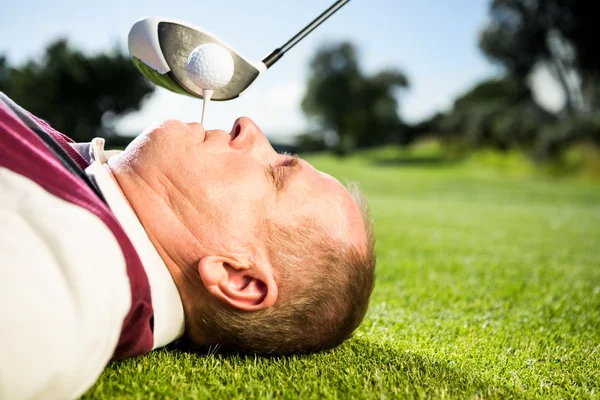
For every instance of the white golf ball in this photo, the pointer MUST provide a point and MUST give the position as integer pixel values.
(210, 66)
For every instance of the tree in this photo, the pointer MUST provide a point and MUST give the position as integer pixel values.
(361, 110)
(561, 34)
(498, 113)
(77, 94)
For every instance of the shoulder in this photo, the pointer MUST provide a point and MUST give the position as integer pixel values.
(64, 291)
(76, 237)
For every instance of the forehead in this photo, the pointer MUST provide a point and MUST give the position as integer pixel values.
(325, 201)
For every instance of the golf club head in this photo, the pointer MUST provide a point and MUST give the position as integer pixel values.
(160, 48)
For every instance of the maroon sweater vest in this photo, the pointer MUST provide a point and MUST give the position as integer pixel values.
(23, 152)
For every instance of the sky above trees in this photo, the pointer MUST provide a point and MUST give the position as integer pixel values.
(434, 43)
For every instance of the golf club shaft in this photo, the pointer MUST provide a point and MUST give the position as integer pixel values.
(279, 52)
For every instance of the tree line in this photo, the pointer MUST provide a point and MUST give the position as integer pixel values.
(78, 94)
(499, 113)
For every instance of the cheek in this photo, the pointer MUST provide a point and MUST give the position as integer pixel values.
(232, 220)
(237, 202)
(239, 177)
(233, 193)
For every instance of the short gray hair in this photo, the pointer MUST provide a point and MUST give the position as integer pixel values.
(316, 311)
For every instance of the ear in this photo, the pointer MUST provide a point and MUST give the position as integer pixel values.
(243, 286)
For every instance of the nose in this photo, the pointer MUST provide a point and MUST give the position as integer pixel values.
(246, 135)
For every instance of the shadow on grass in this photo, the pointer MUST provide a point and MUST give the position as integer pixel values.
(421, 375)
(413, 161)
(361, 366)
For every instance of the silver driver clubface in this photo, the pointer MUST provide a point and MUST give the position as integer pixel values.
(160, 48)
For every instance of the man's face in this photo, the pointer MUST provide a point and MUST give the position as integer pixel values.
(233, 182)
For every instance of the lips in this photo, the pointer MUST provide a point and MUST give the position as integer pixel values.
(197, 130)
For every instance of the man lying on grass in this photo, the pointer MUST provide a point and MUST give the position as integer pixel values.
(186, 233)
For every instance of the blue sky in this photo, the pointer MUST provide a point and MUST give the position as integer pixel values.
(434, 42)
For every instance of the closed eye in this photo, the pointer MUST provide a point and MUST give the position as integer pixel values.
(278, 172)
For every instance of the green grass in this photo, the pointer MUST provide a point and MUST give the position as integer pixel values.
(488, 285)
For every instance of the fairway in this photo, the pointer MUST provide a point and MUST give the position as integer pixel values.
(488, 285)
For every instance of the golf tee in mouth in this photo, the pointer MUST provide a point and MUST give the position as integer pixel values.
(210, 67)
(206, 95)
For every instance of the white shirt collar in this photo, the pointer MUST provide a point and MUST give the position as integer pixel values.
(169, 322)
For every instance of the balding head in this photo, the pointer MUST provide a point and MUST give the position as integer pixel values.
(325, 283)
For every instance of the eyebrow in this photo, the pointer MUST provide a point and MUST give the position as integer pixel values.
(294, 157)
(294, 161)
